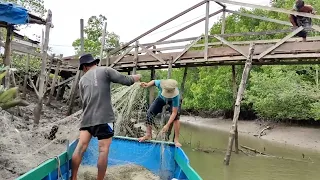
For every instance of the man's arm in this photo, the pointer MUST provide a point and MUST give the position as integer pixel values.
(117, 77)
(151, 83)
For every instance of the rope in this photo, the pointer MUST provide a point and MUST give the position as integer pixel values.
(59, 170)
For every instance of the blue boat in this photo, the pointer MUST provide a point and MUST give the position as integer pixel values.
(123, 150)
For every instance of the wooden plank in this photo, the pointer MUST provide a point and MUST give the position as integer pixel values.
(268, 8)
(287, 47)
(242, 87)
(151, 53)
(231, 45)
(121, 56)
(187, 48)
(259, 17)
(158, 26)
(206, 31)
(280, 42)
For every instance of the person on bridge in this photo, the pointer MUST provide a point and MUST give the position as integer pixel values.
(168, 93)
(298, 21)
(94, 87)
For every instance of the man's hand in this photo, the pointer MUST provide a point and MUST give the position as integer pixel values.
(165, 128)
(136, 77)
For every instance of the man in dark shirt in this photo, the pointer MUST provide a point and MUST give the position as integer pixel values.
(298, 21)
(95, 94)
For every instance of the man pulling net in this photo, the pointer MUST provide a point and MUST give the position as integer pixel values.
(168, 91)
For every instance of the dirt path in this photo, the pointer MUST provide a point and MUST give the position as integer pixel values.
(303, 137)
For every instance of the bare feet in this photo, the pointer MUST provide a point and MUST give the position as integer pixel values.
(146, 137)
(176, 142)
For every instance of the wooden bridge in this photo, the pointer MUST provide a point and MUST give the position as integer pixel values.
(133, 55)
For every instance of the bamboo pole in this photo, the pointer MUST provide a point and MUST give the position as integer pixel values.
(38, 108)
(25, 82)
(7, 55)
(76, 80)
(234, 87)
(242, 87)
(103, 42)
(206, 39)
(152, 77)
(48, 73)
(54, 80)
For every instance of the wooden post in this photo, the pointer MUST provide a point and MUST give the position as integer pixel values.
(234, 87)
(48, 73)
(25, 82)
(7, 55)
(223, 23)
(136, 57)
(242, 87)
(206, 39)
(77, 78)
(152, 77)
(56, 73)
(38, 108)
(103, 42)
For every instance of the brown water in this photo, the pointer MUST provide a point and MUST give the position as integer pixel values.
(242, 167)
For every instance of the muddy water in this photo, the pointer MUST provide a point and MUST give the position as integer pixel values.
(242, 167)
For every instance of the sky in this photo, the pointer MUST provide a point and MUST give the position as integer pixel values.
(127, 18)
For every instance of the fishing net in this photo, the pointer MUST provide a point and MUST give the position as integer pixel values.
(23, 146)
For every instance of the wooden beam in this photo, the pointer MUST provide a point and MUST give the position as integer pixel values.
(280, 42)
(158, 26)
(187, 27)
(121, 56)
(151, 53)
(38, 107)
(242, 87)
(206, 31)
(231, 45)
(268, 8)
(261, 18)
(187, 48)
(78, 75)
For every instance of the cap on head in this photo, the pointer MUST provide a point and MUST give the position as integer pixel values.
(169, 88)
(87, 59)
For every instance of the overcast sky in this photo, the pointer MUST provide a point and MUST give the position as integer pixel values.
(127, 18)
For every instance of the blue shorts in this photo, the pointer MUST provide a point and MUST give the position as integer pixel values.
(156, 108)
(101, 131)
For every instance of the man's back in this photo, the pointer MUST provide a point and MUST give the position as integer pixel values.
(95, 93)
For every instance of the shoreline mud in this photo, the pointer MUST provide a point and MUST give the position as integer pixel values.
(296, 136)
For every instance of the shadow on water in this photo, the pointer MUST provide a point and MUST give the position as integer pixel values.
(242, 167)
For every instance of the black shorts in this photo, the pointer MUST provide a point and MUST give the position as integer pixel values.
(156, 108)
(302, 21)
(101, 131)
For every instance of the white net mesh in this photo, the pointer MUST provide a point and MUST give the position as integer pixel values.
(23, 147)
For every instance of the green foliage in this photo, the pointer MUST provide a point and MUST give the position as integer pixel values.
(7, 96)
(93, 37)
(20, 61)
(278, 93)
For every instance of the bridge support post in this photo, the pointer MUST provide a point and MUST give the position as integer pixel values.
(242, 86)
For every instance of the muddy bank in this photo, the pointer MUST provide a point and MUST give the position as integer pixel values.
(23, 146)
(304, 137)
